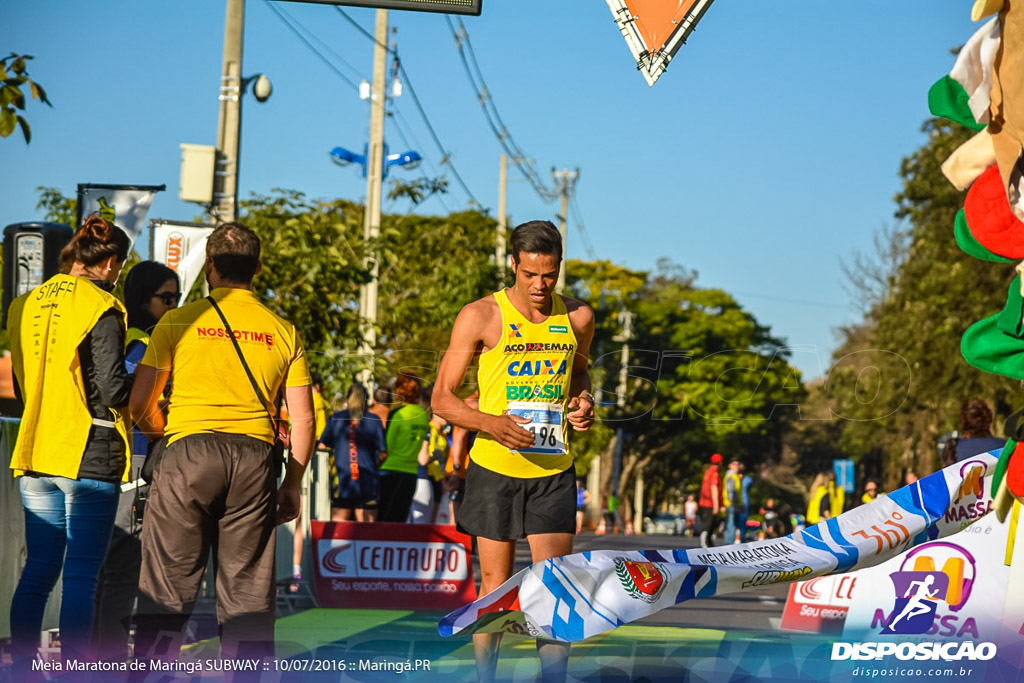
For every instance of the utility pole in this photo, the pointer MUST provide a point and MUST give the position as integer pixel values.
(225, 181)
(374, 181)
(566, 181)
(499, 251)
(626, 320)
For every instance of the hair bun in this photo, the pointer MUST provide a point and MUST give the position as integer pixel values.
(96, 228)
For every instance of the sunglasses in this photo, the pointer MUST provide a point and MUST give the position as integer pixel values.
(169, 298)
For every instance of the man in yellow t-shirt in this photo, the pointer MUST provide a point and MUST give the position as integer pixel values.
(215, 485)
(533, 346)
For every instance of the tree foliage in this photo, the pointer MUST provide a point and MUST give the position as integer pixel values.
(899, 377)
(14, 79)
(702, 375)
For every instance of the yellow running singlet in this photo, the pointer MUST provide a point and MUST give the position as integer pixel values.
(528, 373)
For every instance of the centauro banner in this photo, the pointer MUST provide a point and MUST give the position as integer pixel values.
(182, 246)
(578, 596)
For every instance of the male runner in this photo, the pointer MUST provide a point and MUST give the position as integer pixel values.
(533, 346)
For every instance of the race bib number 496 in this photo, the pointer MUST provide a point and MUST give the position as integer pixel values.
(547, 423)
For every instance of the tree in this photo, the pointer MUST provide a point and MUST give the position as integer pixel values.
(702, 375)
(312, 254)
(13, 77)
(900, 378)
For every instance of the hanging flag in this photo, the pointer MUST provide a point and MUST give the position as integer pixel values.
(655, 30)
(578, 596)
(125, 206)
(181, 246)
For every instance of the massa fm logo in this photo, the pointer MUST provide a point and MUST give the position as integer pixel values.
(930, 575)
(641, 580)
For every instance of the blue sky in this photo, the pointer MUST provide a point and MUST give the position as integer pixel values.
(766, 155)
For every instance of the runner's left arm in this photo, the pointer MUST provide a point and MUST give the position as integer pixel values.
(580, 410)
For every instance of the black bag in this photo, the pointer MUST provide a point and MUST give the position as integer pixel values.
(154, 453)
(277, 458)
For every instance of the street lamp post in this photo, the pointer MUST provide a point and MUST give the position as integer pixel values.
(229, 123)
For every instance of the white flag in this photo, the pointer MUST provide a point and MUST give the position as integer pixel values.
(126, 206)
(181, 246)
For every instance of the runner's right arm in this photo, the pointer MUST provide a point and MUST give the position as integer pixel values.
(467, 336)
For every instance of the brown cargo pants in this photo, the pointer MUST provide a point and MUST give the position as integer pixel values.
(210, 492)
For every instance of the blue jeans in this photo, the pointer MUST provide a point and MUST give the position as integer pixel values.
(730, 525)
(61, 515)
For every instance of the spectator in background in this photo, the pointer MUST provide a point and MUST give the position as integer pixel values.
(731, 499)
(356, 439)
(407, 427)
(321, 406)
(710, 499)
(582, 498)
(772, 526)
(871, 491)
(975, 433)
(150, 290)
(744, 508)
(690, 508)
(458, 459)
(382, 404)
(321, 411)
(431, 462)
(827, 499)
(72, 446)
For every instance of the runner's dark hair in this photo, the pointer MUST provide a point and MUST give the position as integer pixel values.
(536, 237)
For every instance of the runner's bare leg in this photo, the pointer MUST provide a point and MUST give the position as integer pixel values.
(554, 654)
(496, 561)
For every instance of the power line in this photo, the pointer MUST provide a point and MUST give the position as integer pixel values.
(291, 23)
(493, 116)
(423, 174)
(584, 237)
(446, 155)
(288, 22)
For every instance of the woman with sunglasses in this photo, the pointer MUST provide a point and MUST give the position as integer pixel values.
(150, 290)
(67, 352)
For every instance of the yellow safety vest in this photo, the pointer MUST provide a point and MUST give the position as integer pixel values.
(735, 478)
(134, 334)
(531, 363)
(46, 326)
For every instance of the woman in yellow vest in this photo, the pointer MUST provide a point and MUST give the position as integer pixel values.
(827, 499)
(150, 290)
(67, 349)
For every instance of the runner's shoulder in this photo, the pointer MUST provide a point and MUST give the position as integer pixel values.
(480, 312)
(579, 312)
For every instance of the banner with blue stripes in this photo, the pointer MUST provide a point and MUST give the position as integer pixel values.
(577, 596)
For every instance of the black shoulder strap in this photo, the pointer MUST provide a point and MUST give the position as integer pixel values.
(245, 366)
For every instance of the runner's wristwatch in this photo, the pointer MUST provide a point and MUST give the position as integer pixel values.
(586, 395)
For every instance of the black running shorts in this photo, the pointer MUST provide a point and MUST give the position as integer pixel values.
(504, 508)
